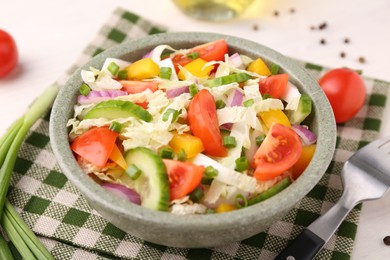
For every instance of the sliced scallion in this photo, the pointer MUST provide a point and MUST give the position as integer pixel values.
(84, 89)
(229, 141)
(260, 139)
(196, 195)
(167, 153)
(241, 201)
(116, 127)
(242, 164)
(274, 69)
(113, 68)
(249, 102)
(220, 104)
(193, 90)
(182, 155)
(122, 74)
(165, 72)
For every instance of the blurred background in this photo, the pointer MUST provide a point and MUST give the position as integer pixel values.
(50, 36)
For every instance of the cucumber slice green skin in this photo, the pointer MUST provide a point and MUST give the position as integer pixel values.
(236, 77)
(113, 109)
(153, 184)
(270, 192)
(303, 110)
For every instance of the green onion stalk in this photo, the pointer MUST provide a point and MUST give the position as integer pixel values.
(25, 241)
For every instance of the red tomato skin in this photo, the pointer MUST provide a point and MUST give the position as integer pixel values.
(346, 92)
(8, 53)
(279, 151)
(95, 145)
(215, 50)
(203, 121)
(274, 85)
(133, 86)
(183, 177)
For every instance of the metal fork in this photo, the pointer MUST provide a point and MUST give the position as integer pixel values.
(365, 176)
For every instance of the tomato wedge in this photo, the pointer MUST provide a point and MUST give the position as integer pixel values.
(274, 85)
(95, 145)
(203, 121)
(215, 50)
(183, 177)
(279, 151)
(133, 86)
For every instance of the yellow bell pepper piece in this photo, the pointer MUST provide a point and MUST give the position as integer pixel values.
(224, 207)
(195, 67)
(274, 116)
(304, 160)
(192, 145)
(117, 157)
(143, 69)
(258, 66)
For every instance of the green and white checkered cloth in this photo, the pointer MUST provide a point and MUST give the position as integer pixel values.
(71, 229)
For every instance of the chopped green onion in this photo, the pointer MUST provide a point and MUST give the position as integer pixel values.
(182, 155)
(165, 72)
(193, 55)
(84, 89)
(133, 172)
(167, 153)
(242, 164)
(193, 89)
(249, 102)
(168, 112)
(113, 68)
(196, 195)
(265, 96)
(241, 201)
(209, 174)
(116, 127)
(236, 77)
(259, 139)
(122, 74)
(229, 141)
(274, 69)
(220, 104)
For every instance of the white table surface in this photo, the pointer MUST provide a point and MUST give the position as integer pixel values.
(51, 34)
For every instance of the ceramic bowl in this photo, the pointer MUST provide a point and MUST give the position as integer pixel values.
(194, 230)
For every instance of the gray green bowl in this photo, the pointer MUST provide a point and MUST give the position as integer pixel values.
(194, 230)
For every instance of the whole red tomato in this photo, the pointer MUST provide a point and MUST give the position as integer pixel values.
(346, 92)
(8, 53)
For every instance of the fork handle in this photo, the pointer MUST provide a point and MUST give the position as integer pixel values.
(304, 247)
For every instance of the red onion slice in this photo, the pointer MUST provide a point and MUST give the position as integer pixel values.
(171, 93)
(234, 99)
(307, 136)
(99, 95)
(235, 60)
(123, 192)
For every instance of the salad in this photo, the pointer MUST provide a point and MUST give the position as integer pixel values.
(191, 131)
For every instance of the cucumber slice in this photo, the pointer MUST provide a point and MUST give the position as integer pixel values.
(153, 183)
(113, 109)
(278, 187)
(303, 110)
(236, 77)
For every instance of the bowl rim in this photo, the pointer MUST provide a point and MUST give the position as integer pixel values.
(96, 194)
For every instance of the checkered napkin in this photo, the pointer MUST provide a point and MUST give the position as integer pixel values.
(71, 229)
